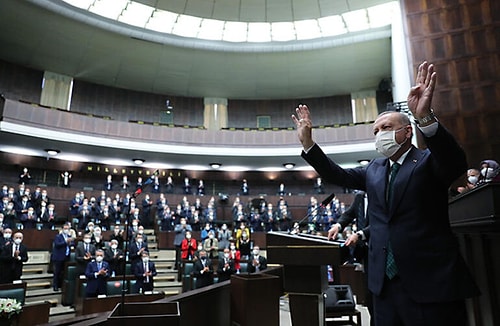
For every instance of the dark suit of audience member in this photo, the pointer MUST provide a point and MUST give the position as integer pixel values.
(136, 248)
(144, 272)
(115, 258)
(84, 252)
(257, 262)
(225, 267)
(97, 273)
(13, 256)
(61, 250)
(203, 270)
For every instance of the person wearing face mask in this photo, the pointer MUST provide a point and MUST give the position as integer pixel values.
(203, 270)
(12, 258)
(472, 181)
(235, 255)
(117, 235)
(115, 258)
(61, 249)
(97, 239)
(144, 272)
(415, 270)
(188, 247)
(489, 171)
(180, 234)
(84, 253)
(225, 266)
(97, 274)
(223, 235)
(211, 245)
(258, 263)
(136, 248)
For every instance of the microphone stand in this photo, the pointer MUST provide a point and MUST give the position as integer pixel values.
(125, 252)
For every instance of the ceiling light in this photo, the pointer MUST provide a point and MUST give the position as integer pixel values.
(289, 165)
(53, 152)
(215, 165)
(363, 162)
(138, 161)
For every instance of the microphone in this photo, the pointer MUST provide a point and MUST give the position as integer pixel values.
(323, 204)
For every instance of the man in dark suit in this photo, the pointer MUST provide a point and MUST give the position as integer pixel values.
(13, 256)
(61, 250)
(258, 262)
(97, 273)
(144, 272)
(203, 270)
(115, 257)
(415, 269)
(84, 252)
(225, 267)
(136, 248)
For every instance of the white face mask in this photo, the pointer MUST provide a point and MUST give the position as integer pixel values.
(226, 255)
(86, 240)
(98, 259)
(7, 235)
(487, 173)
(114, 246)
(255, 252)
(145, 259)
(472, 179)
(17, 241)
(385, 142)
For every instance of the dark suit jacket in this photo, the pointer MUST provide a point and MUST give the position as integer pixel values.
(115, 261)
(141, 279)
(59, 248)
(262, 262)
(12, 268)
(222, 274)
(206, 278)
(416, 224)
(96, 285)
(81, 262)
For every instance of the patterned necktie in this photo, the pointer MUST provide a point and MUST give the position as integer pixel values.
(391, 269)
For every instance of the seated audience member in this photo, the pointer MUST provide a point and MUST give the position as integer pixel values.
(136, 248)
(203, 270)
(97, 273)
(235, 255)
(489, 171)
(84, 253)
(473, 176)
(211, 246)
(188, 247)
(12, 257)
(225, 267)
(115, 258)
(144, 272)
(223, 236)
(258, 262)
(61, 249)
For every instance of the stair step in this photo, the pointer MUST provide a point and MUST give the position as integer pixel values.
(167, 284)
(53, 302)
(165, 277)
(31, 285)
(61, 310)
(33, 270)
(37, 277)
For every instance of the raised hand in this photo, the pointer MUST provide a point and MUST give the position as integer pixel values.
(304, 126)
(420, 97)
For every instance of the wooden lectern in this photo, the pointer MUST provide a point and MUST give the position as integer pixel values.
(475, 219)
(304, 259)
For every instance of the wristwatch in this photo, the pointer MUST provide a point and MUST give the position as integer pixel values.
(425, 119)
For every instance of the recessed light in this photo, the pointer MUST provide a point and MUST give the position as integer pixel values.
(53, 152)
(138, 161)
(289, 165)
(215, 165)
(363, 162)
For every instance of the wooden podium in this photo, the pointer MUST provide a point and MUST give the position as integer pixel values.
(304, 259)
(475, 219)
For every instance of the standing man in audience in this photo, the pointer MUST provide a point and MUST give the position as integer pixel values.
(115, 258)
(415, 270)
(226, 266)
(61, 250)
(144, 271)
(84, 252)
(203, 270)
(97, 273)
(258, 263)
(13, 256)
